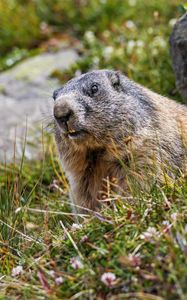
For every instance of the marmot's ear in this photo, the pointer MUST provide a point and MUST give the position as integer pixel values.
(114, 77)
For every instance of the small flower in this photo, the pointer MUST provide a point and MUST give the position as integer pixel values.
(107, 52)
(59, 280)
(78, 73)
(52, 273)
(76, 226)
(159, 42)
(108, 278)
(96, 61)
(17, 271)
(84, 239)
(140, 43)
(76, 263)
(134, 260)
(130, 46)
(174, 216)
(90, 37)
(147, 235)
(130, 24)
(167, 225)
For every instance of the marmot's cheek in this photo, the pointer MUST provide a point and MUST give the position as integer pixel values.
(81, 118)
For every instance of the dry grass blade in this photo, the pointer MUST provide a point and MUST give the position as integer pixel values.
(28, 238)
(72, 241)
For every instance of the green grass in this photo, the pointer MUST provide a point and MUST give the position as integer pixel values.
(133, 37)
(36, 219)
(36, 233)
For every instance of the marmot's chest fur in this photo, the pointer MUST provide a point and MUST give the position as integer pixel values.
(112, 132)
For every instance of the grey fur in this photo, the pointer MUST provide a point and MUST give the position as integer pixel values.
(123, 121)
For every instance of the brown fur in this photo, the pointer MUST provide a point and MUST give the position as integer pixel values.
(147, 153)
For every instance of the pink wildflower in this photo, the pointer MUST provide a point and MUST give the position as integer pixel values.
(108, 278)
(76, 263)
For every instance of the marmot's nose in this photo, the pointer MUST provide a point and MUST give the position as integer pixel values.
(62, 114)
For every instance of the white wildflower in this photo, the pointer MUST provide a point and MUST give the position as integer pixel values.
(140, 43)
(52, 273)
(147, 235)
(174, 216)
(130, 46)
(76, 226)
(17, 271)
(78, 73)
(89, 37)
(96, 61)
(107, 52)
(59, 280)
(108, 278)
(76, 263)
(9, 61)
(166, 223)
(130, 24)
(159, 42)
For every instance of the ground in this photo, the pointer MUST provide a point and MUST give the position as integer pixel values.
(136, 247)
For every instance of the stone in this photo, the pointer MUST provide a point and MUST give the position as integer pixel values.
(178, 43)
(26, 101)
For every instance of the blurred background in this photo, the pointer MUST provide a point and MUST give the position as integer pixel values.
(44, 43)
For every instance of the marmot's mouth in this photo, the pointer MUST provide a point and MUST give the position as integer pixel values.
(76, 134)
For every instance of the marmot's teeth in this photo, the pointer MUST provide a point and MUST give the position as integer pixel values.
(71, 131)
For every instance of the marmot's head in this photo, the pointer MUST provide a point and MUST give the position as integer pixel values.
(97, 107)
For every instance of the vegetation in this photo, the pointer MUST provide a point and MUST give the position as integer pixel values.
(136, 247)
(131, 36)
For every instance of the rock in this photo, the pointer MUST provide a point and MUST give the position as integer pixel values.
(178, 43)
(26, 100)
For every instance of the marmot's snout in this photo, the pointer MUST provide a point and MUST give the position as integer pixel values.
(64, 114)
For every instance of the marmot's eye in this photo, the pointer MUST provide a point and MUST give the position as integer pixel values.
(94, 89)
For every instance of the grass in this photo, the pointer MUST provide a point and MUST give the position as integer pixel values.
(141, 240)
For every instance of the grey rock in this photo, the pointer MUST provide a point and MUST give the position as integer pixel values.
(178, 43)
(26, 101)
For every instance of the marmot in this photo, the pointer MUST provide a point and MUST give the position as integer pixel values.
(108, 127)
